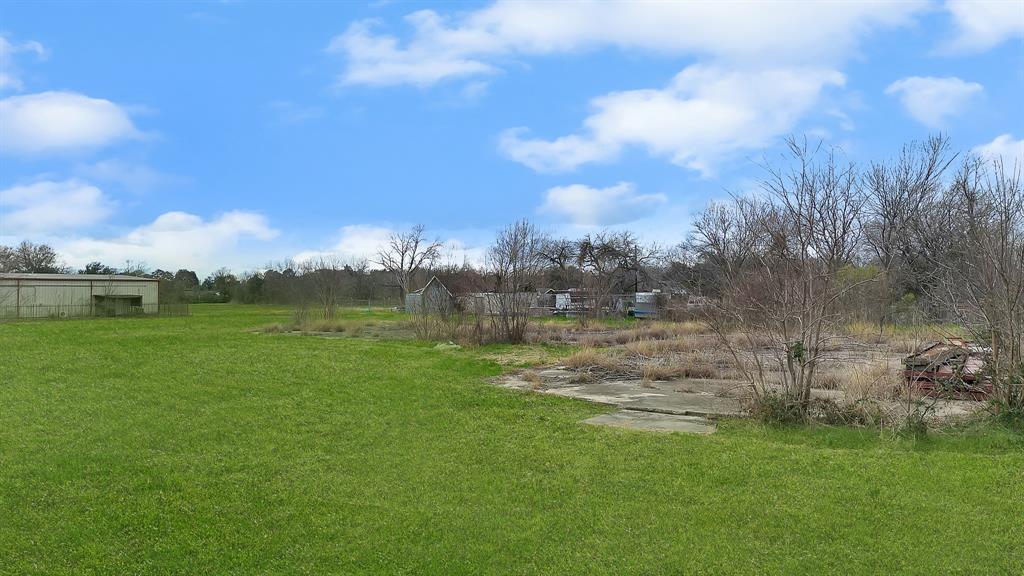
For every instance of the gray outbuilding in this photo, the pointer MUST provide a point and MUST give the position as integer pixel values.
(434, 298)
(70, 295)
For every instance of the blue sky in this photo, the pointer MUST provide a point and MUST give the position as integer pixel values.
(205, 134)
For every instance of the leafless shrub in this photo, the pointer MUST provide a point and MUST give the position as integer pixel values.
(443, 319)
(778, 260)
(324, 274)
(981, 273)
(517, 264)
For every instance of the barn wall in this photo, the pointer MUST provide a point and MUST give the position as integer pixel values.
(62, 298)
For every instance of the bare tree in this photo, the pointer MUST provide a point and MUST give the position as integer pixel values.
(325, 276)
(981, 272)
(613, 262)
(780, 259)
(898, 193)
(406, 254)
(517, 263)
(560, 256)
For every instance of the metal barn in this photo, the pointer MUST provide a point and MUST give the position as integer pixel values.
(70, 295)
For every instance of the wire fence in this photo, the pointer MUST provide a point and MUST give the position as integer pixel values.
(98, 310)
(367, 305)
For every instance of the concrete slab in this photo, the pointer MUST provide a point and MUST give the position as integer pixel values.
(707, 398)
(653, 422)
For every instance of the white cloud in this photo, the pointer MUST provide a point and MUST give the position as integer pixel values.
(458, 252)
(10, 75)
(746, 33)
(48, 206)
(362, 242)
(131, 176)
(932, 101)
(704, 115)
(379, 61)
(61, 121)
(587, 206)
(1003, 147)
(355, 242)
(558, 155)
(982, 25)
(176, 240)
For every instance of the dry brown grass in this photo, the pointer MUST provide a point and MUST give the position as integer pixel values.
(651, 348)
(348, 327)
(831, 378)
(875, 380)
(689, 356)
(590, 359)
(651, 331)
(687, 366)
(746, 341)
(902, 339)
(555, 333)
(534, 379)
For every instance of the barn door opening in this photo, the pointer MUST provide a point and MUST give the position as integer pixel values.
(117, 305)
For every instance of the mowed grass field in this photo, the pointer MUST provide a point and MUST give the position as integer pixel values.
(195, 446)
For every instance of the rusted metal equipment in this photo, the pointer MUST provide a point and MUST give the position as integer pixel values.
(953, 368)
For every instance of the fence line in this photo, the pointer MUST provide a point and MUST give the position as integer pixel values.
(350, 304)
(65, 311)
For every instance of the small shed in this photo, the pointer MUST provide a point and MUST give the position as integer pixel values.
(433, 298)
(71, 295)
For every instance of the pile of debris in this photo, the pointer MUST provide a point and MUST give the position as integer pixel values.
(953, 368)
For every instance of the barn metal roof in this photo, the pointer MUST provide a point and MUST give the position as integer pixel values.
(73, 277)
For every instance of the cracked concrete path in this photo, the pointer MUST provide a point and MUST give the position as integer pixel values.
(683, 405)
(653, 422)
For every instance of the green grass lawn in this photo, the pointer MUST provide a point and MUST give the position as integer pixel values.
(196, 446)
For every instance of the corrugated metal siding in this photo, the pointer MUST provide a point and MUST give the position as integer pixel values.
(28, 298)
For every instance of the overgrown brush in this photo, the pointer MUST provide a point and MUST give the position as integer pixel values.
(872, 381)
(777, 408)
(905, 339)
(678, 367)
(589, 359)
(648, 331)
(650, 348)
(349, 327)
